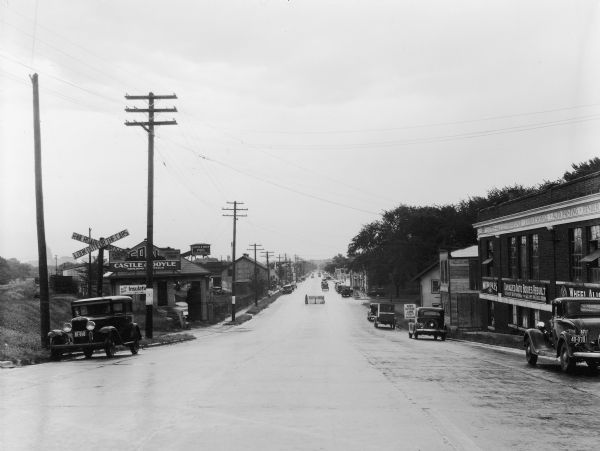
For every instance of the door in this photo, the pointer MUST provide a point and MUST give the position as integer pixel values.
(163, 296)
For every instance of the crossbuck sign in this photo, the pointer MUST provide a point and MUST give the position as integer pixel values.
(97, 244)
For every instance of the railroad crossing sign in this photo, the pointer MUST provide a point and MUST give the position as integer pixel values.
(97, 244)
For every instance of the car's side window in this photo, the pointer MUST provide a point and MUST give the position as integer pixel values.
(118, 307)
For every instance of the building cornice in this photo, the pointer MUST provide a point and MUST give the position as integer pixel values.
(580, 209)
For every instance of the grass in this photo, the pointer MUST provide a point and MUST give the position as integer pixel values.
(20, 339)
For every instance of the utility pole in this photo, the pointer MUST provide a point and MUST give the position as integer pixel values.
(279, 274)
(41, 229)
(255, 273)
(100, 270)
(235, 216)
(89, 281)
(149, 127)
(266, 254)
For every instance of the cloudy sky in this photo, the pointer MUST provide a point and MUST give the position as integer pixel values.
(318, 115)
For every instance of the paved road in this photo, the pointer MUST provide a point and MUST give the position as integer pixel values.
(301, 377)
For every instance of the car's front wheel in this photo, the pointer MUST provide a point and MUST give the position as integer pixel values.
(135, 346)
(529, 355)
(567, 364)
(110, 348)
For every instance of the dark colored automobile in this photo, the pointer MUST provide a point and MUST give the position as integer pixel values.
(98, 323)
(385, 313)
(324, 286)
(428, 321)
(287, 289)
(346, 292)
(572, 334)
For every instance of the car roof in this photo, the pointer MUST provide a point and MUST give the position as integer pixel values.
(587, 299)
(430, 309)
(101, 299)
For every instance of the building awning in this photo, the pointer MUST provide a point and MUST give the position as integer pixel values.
(487, 261)
(591, 257)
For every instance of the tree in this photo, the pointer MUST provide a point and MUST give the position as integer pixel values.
(582, 169)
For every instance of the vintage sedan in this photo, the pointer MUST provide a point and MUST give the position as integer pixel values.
(572, 335)
(385, 313)
(428, 321)
(98, 323)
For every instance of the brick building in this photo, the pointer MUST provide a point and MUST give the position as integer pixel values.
(537, 248)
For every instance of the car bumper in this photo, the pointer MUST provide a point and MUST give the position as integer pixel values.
(430, 331)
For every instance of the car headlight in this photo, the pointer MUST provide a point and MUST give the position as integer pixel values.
(90, 325)
(67, 327)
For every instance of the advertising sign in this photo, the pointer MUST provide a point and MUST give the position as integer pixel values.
(201, 249)
(149, 296)
(525, 290)
(158, 265)
(410, 310)
(489, 287)
(132, 289)
(575, 291)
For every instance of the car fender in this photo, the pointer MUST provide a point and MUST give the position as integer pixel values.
(136, 332)
(58, 336)
(112, 332)
(537, 340)
(564, 339)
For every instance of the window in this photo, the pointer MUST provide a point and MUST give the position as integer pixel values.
(535, 257)
(514, 258)
(435, 286)
(489, 259)
(576, 253)
(523, 260)
(593, 266)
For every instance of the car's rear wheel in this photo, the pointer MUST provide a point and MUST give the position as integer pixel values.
(135, 346)
(567, 364)
(88, 353)
(529, 355)
(110, 348)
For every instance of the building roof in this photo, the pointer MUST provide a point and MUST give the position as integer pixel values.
(431, 267)
(471, 251)
(247, 257)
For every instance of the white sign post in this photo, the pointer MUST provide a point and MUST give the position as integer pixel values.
(410, 311)
(149, 296)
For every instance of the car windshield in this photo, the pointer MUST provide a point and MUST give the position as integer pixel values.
(91, 309)
(582, 308)
(386, 308)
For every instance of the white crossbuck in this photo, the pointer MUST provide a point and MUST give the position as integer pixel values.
(314, 299)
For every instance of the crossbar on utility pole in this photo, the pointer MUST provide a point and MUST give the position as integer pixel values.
(149, 127)
(255, 273)
(235, 217)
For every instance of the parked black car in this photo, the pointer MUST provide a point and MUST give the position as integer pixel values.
(346, 292)
(572, 334)
(385, 313)
(98, 323)
(428, 321)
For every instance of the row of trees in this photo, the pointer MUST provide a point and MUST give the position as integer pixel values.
(406, 239)
(12, 269)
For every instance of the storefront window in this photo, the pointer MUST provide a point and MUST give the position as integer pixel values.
(489, 259)
(593, 267)
(576, 253)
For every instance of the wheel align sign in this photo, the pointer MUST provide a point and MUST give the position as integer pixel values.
(97, 244)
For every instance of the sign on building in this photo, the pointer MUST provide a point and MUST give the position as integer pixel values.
(132, 289)
(202, 249)
(410, 311)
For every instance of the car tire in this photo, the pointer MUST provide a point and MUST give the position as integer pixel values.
(88, 353)
(110, 348)
(567, 364)
(529, 355)
(444, 337)
(435, 337)
(135, 346)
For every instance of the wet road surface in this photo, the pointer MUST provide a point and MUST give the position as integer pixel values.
(301, 377)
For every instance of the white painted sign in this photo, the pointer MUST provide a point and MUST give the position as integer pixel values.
(410, 310)
(132, 289)
(149, 296)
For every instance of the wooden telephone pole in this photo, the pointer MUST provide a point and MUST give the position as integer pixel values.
(235, 216)
(255, 273)
(267, 254)
(41, 230)
(149, 127)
